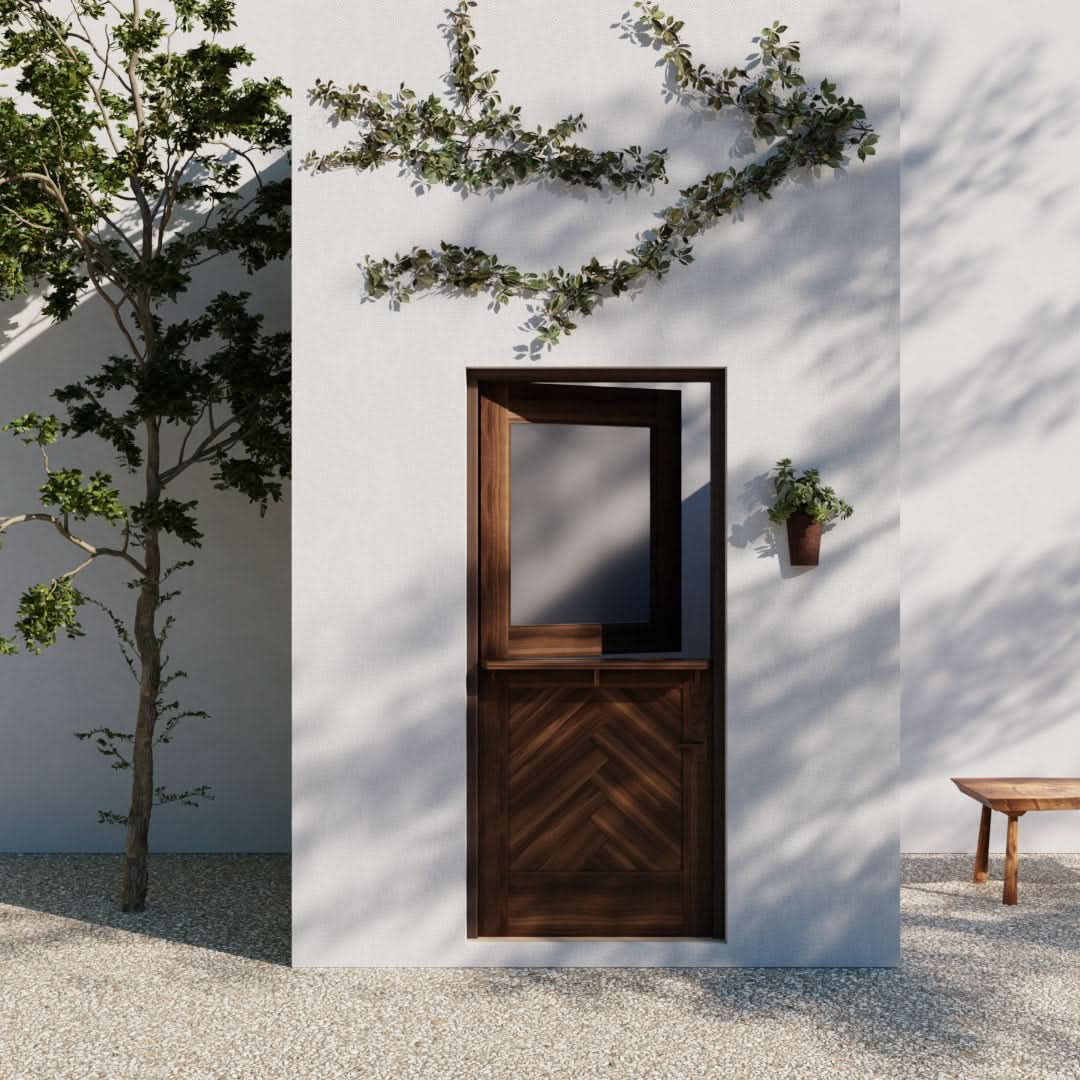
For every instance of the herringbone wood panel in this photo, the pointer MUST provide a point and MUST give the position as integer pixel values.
(595, 802)
(595, 780)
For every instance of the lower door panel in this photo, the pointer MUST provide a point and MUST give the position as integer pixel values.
(594, 799)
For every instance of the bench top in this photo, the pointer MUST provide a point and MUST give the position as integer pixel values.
(1019, 794)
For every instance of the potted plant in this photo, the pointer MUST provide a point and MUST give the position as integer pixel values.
(806, 504)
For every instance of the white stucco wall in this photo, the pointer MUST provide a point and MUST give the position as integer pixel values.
(798, 300)
(991, 412)
(232, 633)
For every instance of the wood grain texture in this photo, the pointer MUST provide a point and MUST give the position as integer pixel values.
(610, 896)
(604, 787)
(982, 848)
(595, 905)
(1014, 796)
(665, 572)
(1012, 854)
(494, 522)
(530, 374)
(645, 671)
(493, 828)
(622, 406)
(506, 403)
(1020, 794)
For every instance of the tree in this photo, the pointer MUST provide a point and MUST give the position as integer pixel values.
(132, 156)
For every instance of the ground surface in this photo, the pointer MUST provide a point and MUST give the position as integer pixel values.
(199, 988)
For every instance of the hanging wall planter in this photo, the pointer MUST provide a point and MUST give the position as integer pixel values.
(806, 505)
(804, 539)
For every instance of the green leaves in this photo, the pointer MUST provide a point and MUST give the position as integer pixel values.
(34, 428)
(473, 143)
(476, 144)
(44, 612)
(170, 516)
(866, 146)
(181, 134)
(70, 494)
(804, 493)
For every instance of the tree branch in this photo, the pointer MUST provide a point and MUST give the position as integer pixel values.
(246, 155)
(206, 449)
(59, 524)
(57, 194)
(50, 23)
(133, 76)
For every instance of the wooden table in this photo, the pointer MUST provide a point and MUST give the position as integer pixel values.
(1014, 796)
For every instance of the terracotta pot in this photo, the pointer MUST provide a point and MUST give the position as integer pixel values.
(804, 539)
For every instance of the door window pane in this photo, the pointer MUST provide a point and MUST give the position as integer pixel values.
(579, 523)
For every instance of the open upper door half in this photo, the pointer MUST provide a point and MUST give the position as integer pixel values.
(565, 470)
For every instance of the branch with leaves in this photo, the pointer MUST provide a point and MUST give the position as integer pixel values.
(473, 143)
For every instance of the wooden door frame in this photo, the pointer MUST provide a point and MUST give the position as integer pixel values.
(716, 379)
(506, 404)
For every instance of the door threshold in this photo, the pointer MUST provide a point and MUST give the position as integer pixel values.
(538, 939)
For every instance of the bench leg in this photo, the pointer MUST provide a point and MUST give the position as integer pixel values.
(1011, 857)
(982, 849)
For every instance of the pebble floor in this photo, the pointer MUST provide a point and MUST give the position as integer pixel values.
(199, 987)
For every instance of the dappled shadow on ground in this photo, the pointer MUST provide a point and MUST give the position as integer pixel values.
(237, 904)
(978, 993)
(983, 991)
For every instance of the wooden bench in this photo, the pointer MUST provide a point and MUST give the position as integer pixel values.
(1014, 796)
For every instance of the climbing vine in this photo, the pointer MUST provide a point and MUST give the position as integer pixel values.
(470, 141)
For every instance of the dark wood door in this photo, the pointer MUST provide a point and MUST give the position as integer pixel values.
(592, 772)
(595, 805)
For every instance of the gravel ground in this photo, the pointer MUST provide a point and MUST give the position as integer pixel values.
(199, 988)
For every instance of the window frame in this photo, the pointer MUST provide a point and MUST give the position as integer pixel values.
(502, 404)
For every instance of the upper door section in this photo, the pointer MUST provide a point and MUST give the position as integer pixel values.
(580, 511)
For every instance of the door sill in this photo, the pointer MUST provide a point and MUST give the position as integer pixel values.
(563, 940)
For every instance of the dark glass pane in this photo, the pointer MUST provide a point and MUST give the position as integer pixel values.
(579, 524)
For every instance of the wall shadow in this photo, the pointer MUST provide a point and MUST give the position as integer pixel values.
(991, 395)
(798, 299)
(232, 631)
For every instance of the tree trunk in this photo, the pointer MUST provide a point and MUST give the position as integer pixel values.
(136, 844)
(133, 894)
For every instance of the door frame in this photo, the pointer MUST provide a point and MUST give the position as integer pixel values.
(506, 404)
(717, 382)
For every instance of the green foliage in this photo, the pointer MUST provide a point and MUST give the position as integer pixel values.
(43, 613)
(162, 797)
(804, 493)
(34, 428)
(115, 745)
(474, 143)
(70, 494)
(91, 146)
(132, 153)
(170, 516)
(127, 163)
(140, 129)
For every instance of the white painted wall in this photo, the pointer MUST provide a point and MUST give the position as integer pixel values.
(233, 619)
(991, 412)
(798, 300)
(990, 405)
